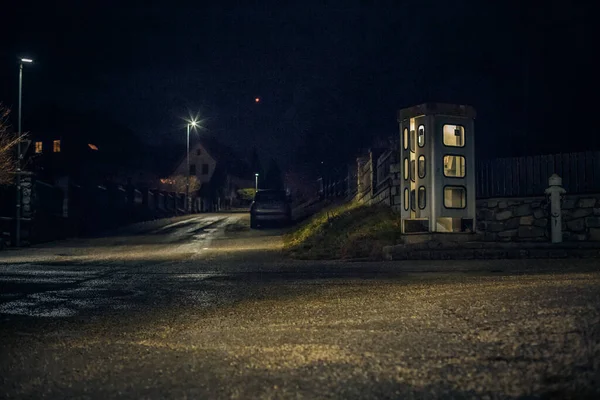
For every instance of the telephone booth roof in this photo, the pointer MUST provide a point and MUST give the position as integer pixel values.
(455, 110)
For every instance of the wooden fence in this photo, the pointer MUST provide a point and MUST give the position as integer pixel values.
(528, 176)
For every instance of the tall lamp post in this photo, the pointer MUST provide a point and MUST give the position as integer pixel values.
(256, 182)
(19, 156)
(193, 123)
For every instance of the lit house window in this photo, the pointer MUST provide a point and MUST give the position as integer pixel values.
(454, 135)
(204, 169)
(455, 197)
(421, 136)
(454, 166)
(56, 146)
(38, 147)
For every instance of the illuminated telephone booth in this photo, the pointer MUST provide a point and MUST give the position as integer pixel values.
(437, 152)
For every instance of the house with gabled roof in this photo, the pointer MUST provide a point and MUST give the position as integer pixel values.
(220, 171)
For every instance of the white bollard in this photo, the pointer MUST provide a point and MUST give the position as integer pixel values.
(555, 191)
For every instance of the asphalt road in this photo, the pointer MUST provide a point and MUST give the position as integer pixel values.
(203, 307)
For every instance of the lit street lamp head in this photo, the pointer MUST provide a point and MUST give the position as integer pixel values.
(26, 60)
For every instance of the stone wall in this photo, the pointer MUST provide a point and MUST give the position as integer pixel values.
(527, 219)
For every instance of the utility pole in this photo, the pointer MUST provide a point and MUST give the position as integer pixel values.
(19, 156)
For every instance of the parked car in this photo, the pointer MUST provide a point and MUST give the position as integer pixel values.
(270, 206)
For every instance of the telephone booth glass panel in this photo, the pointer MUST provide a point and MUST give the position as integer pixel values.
(455, 197)
(454, 135)
(422, 167)
(421, 136)
(422, 198)
(454, 166)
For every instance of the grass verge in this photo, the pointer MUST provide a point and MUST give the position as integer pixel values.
(344, 232)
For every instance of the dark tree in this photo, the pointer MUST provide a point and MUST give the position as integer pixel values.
(273, 177)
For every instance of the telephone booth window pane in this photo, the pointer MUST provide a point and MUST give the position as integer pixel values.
(406, 200)
(406, 168)
(405, 138)
(421, 136)
(454, 135)
(422, 166)
(412, 199)
(422, 198)
(412, 141)
(455, 197)
(412, 170)
(454, 166)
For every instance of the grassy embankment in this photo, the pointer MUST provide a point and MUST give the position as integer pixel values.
(343, 232)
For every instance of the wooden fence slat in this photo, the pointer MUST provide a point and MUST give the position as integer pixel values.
(521, 176)
(529, 176)
(552, 167)
(513, 177)
(486, 179)
(573, 164)
(565, 171)
(498, 177)
(546, 164)
(576, 172)
(589, 172)
(581, 172)
(491, 178)
(478, 180)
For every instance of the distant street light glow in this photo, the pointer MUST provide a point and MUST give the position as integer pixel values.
(27, 60)
(257, 100)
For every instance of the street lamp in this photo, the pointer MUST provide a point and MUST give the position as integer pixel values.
(19, 156)
(256, 182)
(193, 123)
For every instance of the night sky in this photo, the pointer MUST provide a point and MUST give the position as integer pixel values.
(326, 72)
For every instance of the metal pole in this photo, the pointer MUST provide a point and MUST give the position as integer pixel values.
(187, 182)
(256, 184)
(18, 205)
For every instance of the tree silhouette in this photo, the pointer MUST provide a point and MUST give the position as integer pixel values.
(8, 141)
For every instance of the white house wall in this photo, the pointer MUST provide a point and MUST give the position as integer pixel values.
(198, 160)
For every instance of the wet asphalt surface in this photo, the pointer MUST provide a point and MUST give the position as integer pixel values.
(203, 307)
